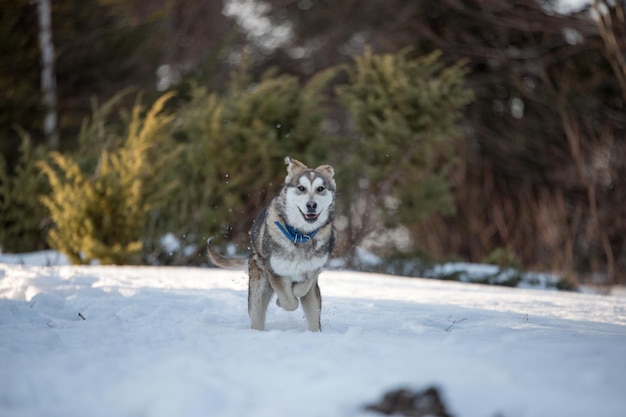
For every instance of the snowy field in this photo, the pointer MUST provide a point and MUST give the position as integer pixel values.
(146, 341)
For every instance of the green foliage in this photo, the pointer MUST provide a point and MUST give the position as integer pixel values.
(103, 46)
(102, 216)
(407, 110)
(503, 258)
(102, 130)
(565, 284)
(22, 215)
(19, 76)
(113, 199)
(407, 264)
(234, 146)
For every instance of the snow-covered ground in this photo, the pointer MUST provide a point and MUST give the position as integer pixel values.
(147, 341)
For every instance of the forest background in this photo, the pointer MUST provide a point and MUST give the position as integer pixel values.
(485, 131)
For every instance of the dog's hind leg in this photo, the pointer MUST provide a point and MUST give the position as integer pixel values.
(259, 296)
(312, 306)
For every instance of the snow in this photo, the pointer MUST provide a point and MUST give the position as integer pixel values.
(161, 341)
(570, 6)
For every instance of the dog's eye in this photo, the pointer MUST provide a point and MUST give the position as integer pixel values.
(320, 189)
(301, 188)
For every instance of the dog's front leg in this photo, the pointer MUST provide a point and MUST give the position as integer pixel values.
(300, 289)
(284, 290)
(312, 306)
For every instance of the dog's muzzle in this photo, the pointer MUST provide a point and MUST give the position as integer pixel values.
(311, 215)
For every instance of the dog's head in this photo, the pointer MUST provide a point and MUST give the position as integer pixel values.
(309, 195)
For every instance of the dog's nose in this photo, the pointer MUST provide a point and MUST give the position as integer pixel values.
(311, 206)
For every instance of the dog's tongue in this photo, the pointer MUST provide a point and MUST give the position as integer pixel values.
(310, 216)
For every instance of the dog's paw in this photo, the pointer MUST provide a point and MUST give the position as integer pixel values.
(289, 305)
(300, 289)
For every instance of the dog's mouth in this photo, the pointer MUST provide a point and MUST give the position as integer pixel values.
(310, 217)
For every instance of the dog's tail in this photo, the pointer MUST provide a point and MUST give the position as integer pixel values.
(224, 262)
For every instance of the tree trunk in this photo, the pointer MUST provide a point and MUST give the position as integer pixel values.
(48, 80)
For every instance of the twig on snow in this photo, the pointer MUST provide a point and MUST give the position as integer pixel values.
(455, 322)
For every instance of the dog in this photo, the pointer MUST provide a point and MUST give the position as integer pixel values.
(292, 239)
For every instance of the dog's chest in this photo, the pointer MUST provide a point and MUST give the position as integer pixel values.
(295, 266)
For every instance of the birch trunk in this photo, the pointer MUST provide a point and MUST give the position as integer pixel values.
(48, 81)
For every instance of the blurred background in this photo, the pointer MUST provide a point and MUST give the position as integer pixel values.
(460, 130)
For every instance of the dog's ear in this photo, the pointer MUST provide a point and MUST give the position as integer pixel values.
(294, 167)
(326, 170)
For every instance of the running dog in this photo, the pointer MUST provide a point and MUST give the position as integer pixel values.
(291, 241)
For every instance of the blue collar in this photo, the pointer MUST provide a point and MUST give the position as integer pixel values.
(293, 235)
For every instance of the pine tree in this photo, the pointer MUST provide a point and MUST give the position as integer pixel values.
(406, 111)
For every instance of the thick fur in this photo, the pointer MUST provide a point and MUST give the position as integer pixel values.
(280, 265)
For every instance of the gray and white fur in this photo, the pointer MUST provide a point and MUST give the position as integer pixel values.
(291, 241)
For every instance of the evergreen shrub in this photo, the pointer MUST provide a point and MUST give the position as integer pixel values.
(406, 111)
(234, 147)
(101, 216)
(23, 223)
